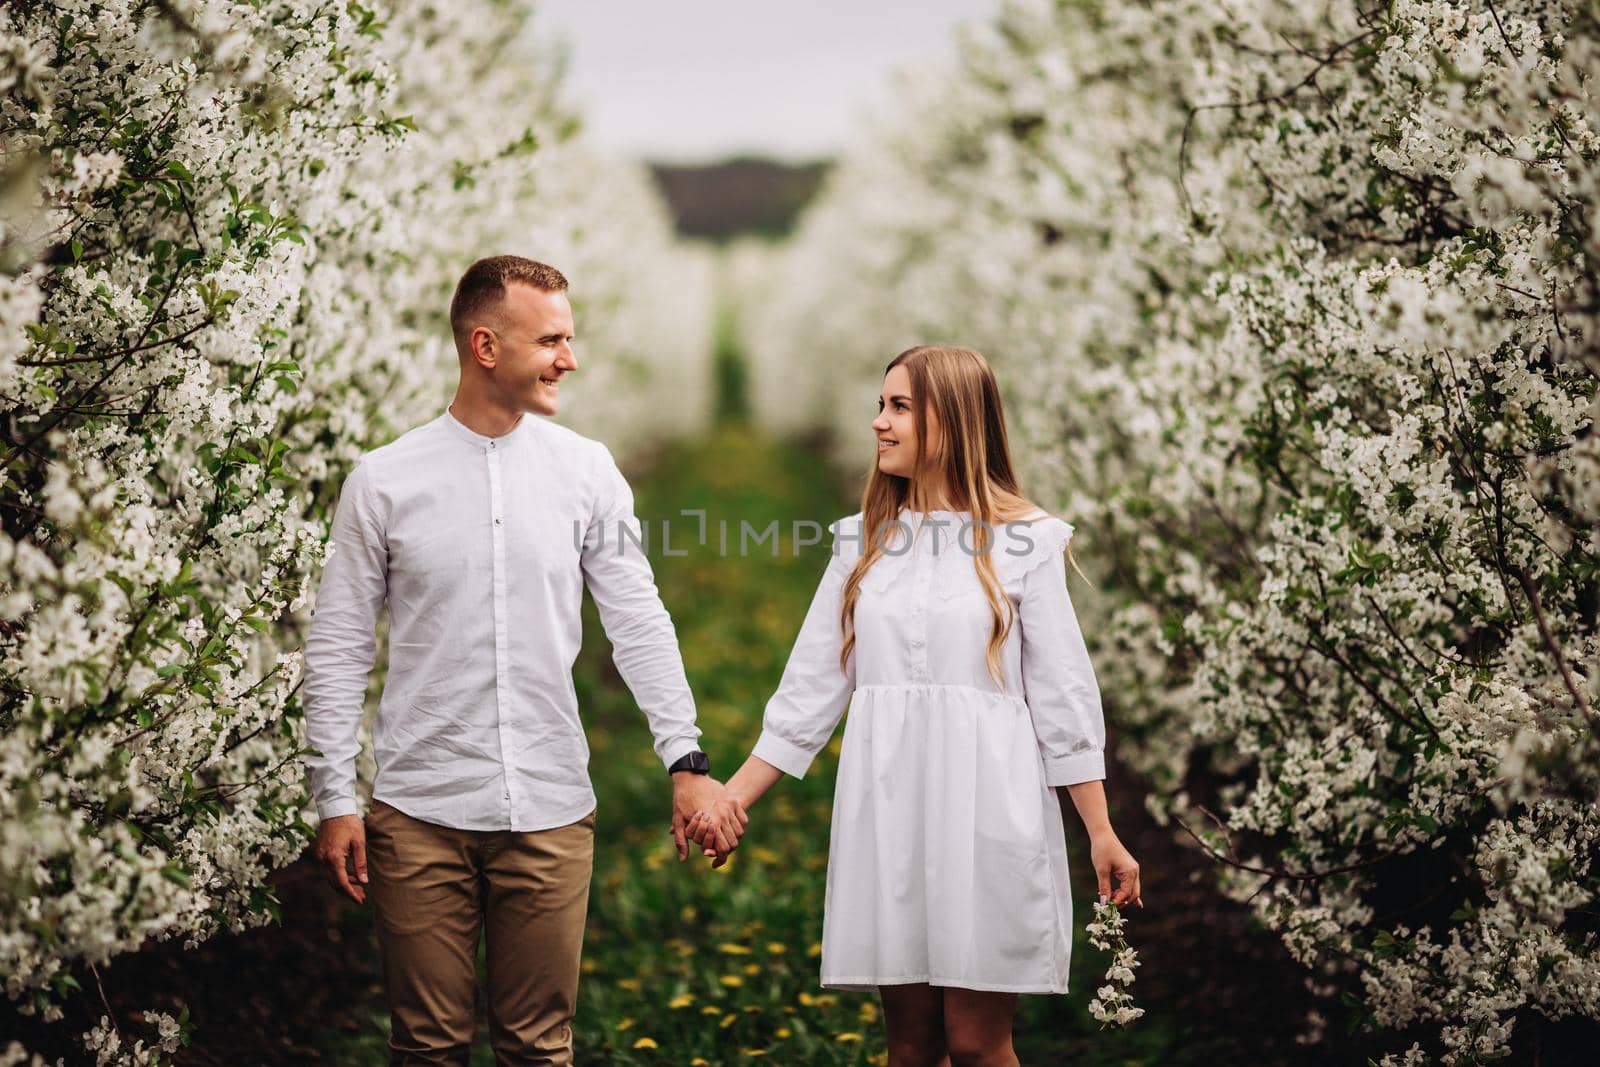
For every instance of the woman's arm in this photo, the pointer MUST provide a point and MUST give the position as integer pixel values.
(813, 693)
(751, 782)
(1106, 851)
(1063, 698)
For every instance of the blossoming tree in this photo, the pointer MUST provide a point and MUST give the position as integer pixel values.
(1296, 308)
(228, 233)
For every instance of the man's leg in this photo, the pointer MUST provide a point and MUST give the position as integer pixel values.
(425, 895)
(537, 902)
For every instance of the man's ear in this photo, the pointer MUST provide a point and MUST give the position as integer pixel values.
(483, 343)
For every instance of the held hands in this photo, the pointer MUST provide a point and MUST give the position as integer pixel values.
(342, 844)
(705, 812)
(1110, 858)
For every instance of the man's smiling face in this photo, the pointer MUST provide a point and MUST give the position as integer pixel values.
(534, 350)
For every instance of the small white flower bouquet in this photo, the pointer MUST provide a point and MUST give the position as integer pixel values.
(1113, 1004)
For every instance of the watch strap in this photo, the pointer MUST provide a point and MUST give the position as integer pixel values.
(696, 762)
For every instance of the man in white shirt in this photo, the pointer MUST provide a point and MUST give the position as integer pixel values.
(480, 529)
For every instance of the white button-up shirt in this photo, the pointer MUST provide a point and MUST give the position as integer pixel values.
(481, 547)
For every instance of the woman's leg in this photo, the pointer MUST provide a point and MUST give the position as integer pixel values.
(977, 1027)
(914, 1017)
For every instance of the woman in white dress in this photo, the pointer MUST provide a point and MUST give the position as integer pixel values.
(972, 700)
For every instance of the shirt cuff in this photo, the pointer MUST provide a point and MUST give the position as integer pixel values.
(678, 748)
(335, 808)
(787, 756)
(1076, 768)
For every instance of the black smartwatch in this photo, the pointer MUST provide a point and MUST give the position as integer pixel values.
(693, 762)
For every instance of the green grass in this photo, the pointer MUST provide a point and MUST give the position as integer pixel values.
(710, 963)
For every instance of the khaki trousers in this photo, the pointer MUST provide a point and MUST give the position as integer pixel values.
(433, 888)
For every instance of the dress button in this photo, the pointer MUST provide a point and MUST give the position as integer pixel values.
(497, 520)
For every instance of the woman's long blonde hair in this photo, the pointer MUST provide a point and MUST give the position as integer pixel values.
(960, 389)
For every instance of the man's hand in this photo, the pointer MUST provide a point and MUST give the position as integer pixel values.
(722, 819)
(340, 841)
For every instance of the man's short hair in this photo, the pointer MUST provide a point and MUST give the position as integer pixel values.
(483, 287)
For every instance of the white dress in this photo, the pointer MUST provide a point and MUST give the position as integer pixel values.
(947, 862)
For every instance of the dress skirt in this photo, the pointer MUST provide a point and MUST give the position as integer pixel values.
(948, 861)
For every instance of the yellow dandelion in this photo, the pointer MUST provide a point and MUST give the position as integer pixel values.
(699, 1062)
(815, 949)
(731, 980)
(807, 999)
(626, 1024)
(732, 949)
(728, 1020)
(630, 984)
(784, 1031)
(869, 1011)
(753, 1051)
(646, 1042)
(878, 1059)
(777, 948)
(848, 1037)
(710, 1009)
(682, 1000)
(590, 966)
(752, 968)
(764, 855)
(826, 1000)
(752, 1009)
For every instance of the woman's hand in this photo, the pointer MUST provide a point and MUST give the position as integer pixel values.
(1111, 859)
(717, 829)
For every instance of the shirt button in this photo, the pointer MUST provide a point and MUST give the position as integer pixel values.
(497, 520)
(491, 444)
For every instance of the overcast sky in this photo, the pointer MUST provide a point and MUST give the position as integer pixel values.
(703, 79)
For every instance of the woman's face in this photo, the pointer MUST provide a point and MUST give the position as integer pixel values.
(897, 437)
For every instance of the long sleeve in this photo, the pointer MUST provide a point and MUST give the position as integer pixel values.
(814, 691)
(341, 646)
(643, 640)
(1062, 693)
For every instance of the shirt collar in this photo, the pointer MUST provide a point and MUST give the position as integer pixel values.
(937, 514)
(511, 437)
